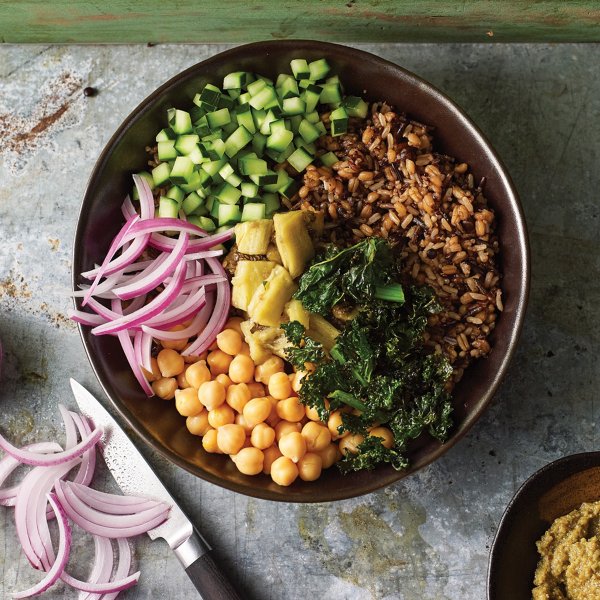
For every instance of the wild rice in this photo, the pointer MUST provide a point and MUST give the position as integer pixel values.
(390, 182)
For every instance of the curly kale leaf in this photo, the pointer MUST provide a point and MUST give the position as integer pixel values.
(356, 274)
(303, 349)
(372, 452)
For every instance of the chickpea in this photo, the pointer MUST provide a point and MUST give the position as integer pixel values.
(387, 437)
(293, 445)
(273, 417)
(335, 421)
(280, 386)
(175, 344)
(257, 410)
(198, 424)
(170, 363)
(194, 358)
(231, 438)
(249, 461)
(245, 349)
(222, 415)
(291, 409)
(262, 436)
(209, 442)
(284, 427)
(272, 453)
(211, 394)
(182, 382)
(350, 443)
(218, 362)
(197, 373)
(312, 413)
(310, 466)
(235, 324)
(155, 374)
(329, 455)
(317, 436)
(229, 341)
(187, 403)
(284, 471)
(165, 387)
(297, 378)
(224, 380)
(241, 369)
(264, 371)
(238, 395)
(257, 390)
(239, 420)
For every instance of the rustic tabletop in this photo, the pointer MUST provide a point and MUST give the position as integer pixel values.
(426, 537)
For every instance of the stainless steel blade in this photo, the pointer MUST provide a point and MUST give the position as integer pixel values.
(131, 471)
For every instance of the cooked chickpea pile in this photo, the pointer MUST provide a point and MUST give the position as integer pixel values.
(251, 412)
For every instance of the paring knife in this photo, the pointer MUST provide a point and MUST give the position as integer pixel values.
(135, 476)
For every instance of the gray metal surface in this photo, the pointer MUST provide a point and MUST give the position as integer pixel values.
(426, 537)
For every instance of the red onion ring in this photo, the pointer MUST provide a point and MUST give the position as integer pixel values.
(110, 503)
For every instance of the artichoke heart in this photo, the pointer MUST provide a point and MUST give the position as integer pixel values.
(270, 297)
(293, 241)
(249, 275)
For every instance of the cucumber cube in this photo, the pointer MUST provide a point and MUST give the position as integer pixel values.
(229, 214)
(237, 140)
(355, 106)
(218, 118)
(176, 193)
(227, 194)
(166, 150)
(288, 87)
(244, 98)
(180, 121)
(244, 117)
(300, 68)
(168, 208)
(279, 139)
(191, 203)
(300, 159)
(339, 121)
(207, 224)
(145, 175)
(266, 179)
(186, 143)
(165, 134)
(252, 166)
(271, 202)
(194, 183)
(197, 156)
(259, 141)
(331, 93)
(328, 159)
(318, 69)
(161, 173)
(249, 189)
(256, 86)
(264, 97)
(253, 211)
(210, 95)
(225, 102)
(308, 131)
(235, 80)
(294, 106)
(289, 189)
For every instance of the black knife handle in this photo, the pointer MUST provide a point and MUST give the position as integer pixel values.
(210, 581)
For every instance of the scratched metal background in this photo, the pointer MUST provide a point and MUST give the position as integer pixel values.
(426, 537)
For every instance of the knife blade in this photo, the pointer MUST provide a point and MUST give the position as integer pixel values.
(135, 477)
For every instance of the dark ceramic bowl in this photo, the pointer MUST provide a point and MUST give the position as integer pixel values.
(363, 74)
(555, 490)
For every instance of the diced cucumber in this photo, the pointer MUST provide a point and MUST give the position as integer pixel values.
(229, 214)
(165, 134)
(213, 167)
(300, 68)
(197, 156)
(288, 87)
(274, 104)
(166, 150)
(201, 126)
(186, 143)
(195, 182)
(279, 139)
(282, 178)
(214, 211)
(245, 118)
(313, 117)
(258, 116)
(295, 123)
(339, 121)
(355, 106)
(256, 86)
(180, 121)
(265, 79)
(283, 156)
(263, 97)
(333, 79)
(161, 173)
(237, 140)
(218, 118)
(253, 212)
(270, 117)
(331, 93)
(259, 141)
(252, 166)
(176, 193)
(311, 97)
(294, 106)
(318, 69)
(225, 101)
(289, 189)
(168, 208)
(265, 179)
(309, 147)
(191, 203)
(230, 127)
(308, 131)
(235, 80)
(195, 220)
(234, 94)
(249, 189)
(207, 224)
(300, 159)
(227, 194)
(244, 98)
(149, 180)
(321, 127)
(328, 159)
(306, 83)
(229, 175)
(271, 202)
(209, 96)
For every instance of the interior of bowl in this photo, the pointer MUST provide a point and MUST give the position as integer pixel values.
(362, 74)
(555, 490)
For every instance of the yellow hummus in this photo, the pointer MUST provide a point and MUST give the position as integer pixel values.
(569, 567)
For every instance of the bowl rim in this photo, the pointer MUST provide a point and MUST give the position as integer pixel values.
(522, 241)
(581, 460)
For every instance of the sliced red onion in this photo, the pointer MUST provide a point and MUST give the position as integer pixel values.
(85, 318)
(115, 245)
(166, 244)
(193, 328)
(203, 255)
(146, 198)
(111, 503)
(8, 464)
(127, 208)
(169, 318)
(102, 566)
(47, 460)
(153, 308)
(62, 556)
(146, 350)
(154, 275)
(161, 224)
(67, 498)
(219, 315)
(88, 458)
(123, 260)
(192, 283)
(123, 565)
